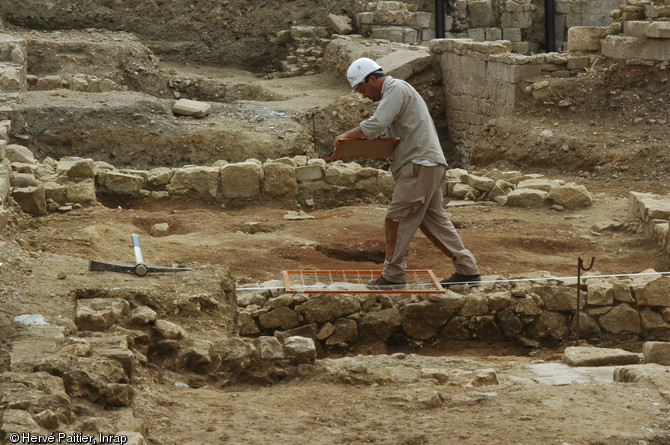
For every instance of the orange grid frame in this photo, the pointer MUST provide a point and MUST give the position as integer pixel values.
(317, 281)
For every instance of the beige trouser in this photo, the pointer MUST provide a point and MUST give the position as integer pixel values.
(417, 204)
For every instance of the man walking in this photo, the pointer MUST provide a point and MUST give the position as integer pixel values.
(418, 167)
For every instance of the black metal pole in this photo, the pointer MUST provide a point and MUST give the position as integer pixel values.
(439, 19)
(550, 25)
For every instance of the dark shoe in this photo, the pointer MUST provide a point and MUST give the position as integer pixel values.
(383, 283)
(458, 278)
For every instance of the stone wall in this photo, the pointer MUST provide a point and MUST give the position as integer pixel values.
(481, 80)
(651, 213)
(532, 310)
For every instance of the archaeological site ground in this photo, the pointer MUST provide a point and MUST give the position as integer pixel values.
(189, 144)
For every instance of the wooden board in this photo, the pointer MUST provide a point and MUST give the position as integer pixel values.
(366, 148)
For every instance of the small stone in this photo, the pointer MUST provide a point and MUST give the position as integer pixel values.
(61, 275)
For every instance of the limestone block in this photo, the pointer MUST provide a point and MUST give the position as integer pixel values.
(478, 182)
(480, 12)
(571, 196)
(585, 38)
(168, 330)
(159, 176)
(241, 180)
(625, 47)
(193, 108)
(341, 24)
(18, 179)
(269, 348)
(79, 83)
(391, 6)
(521, 47)
(11, 79)
(493, 34)
(600, 292)
(526, 198)
(53, 82)
(300, 349)
(123, 184)
(326, 307)
(409, 36)
(578, 63)
(653, 293)
(636, 28)
(76, 167)
(511, 34)
(390, 33)
(308, 173)
(282, 317)
(592, 356)
(477, 34)
(100, 314)
(19, 153)
(142, 316)
(622, 319)
(279, 180)
(423, 320)
(247, 325)
(424, 20)
(160, 229)
(656, 11)
(31, 200)
(81, 191)
(198, 182)
(656, 352)
(380, 325)
(659, 30)
(341, 174)
(403, 64)
(4, 184)
(309, 32)
(558, 298)
(345, 333)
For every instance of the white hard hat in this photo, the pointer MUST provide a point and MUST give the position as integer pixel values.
(359, 69)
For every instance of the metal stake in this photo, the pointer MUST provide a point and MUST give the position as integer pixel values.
(580, 267)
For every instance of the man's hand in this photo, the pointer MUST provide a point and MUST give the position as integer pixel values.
(355, 133)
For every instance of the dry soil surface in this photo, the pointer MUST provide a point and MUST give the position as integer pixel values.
(44, 257)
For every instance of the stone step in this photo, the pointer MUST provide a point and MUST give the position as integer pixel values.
(652, 30)
(656, 11)
(627, 47)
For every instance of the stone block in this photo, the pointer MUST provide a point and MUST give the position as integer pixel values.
(390, 33)
(578, 63)
(493, 34)
(404, 63)
(198, 182)
(625, 47)
(241, 180)
(521, 47)
(123, 184)
(31, 199)
(511, 34)
(279, 180)
(308, 173)
(636, 28)
(585, 38)
(656, 352)
(659, 30)
(341, 24)
(477, 34)
(480, 13)
(186, 107)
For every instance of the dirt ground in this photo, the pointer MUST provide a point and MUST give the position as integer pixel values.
(42, 258)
